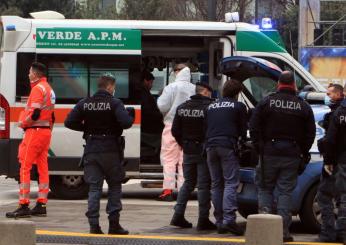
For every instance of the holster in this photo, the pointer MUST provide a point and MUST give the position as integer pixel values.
(121, 145)
(261, 162)
(304, 161)
(81, 161)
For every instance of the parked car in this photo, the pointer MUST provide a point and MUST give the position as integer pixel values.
(260, 78)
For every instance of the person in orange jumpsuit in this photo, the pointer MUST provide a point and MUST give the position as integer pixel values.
(37, 121)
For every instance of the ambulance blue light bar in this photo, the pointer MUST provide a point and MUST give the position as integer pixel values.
(10, 28)
(267, 23)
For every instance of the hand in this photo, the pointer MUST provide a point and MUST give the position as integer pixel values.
(329, 169)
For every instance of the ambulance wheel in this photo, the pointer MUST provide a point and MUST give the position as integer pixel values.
(69, 187)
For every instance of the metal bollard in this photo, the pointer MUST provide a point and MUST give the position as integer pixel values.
(17, 232)
(264, 229)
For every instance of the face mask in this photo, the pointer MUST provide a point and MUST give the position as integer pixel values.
(327, 100)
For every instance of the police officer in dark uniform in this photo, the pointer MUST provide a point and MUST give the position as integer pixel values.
(283, 130)
(326, 193)
(335, 157)
(188, 130)
(102, 118)
(226, 121)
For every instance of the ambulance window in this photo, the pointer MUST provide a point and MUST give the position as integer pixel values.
(301, 83)
(68, 79)
(260, 87)
(121, 75)
(24, 61)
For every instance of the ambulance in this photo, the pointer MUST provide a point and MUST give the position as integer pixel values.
(77, 51)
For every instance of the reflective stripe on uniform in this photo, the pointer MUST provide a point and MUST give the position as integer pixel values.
(40, 123)
(24, 191)
(34, 106)
(24, 186)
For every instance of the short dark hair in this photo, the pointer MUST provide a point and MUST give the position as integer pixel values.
(231, 88)
(286, 77)
(39, 68)
(146, 75)
(336, 87)
(105, 80)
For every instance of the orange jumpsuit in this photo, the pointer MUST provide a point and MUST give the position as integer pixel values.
(35, 144)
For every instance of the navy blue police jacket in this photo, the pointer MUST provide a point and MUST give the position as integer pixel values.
(226, 121)
(102, 118)
(188, 124)
(284, 123)
(336, 135)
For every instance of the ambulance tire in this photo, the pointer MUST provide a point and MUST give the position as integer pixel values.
(69, 187)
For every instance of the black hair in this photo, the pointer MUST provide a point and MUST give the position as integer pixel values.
(39, 68)
(336, 87)
(146, 75)
(231, 88)
(286, 77)
(105, 80)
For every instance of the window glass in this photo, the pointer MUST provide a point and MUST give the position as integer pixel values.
(75, 76)
(69, 80)
(121, 75)
(160, 81)
(260, 87)
(300, 82)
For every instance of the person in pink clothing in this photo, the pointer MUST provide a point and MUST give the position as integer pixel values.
(171, 155)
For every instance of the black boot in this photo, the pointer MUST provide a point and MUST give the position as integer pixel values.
(180, 221)
(39, 210)
(116, 229)
(230, 228)
(23, 211)
(205, 224)
(95, 229)
(288, 238)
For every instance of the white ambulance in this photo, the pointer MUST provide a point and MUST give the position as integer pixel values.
(76, 52)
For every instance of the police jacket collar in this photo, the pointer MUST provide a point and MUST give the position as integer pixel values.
(287, 91)
(343, 103)
(200, 97)
(335, 104)
(102, 92)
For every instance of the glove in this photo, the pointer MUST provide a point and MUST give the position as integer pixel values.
(305, 159)
(131, 111)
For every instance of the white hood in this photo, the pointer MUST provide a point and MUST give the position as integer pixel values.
(183, 75)
(175, 94)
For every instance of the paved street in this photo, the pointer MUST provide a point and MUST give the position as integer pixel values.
(141, 213)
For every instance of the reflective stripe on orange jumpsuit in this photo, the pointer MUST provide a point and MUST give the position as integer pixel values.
(35, 144)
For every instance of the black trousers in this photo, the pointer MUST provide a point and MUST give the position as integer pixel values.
(97, 168)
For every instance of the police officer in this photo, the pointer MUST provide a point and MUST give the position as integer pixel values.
(326, 189)
(335, 157)
(188, 130)
(226, 121)
(283, 129)
(102, 118)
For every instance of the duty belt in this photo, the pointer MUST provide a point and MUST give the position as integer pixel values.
(102, 136)
(284, 140)
(193, 141)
